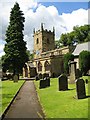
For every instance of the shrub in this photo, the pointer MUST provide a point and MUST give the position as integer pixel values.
(84, 62)
(67, 57)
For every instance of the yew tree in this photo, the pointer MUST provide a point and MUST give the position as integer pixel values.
(15, 47)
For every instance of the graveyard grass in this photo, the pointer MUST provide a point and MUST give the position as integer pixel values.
(9, 89)
(62, 104)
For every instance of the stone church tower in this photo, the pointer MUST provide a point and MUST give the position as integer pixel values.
(44, 41)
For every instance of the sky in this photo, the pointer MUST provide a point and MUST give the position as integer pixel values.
(62, 15)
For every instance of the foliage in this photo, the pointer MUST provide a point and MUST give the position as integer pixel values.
(84, 61)
(30, 55)
(82, 33)
(62, 104)
(15, 47)
(64, 39)
(57, 44)
(67, 58)
(78, 35)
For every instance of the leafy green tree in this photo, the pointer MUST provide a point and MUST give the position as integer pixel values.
(64, 39)
(15, 47)
(78, 35)
(67, 58)
(84, 62)
(30, 55)
(82, 33)
(57, 44)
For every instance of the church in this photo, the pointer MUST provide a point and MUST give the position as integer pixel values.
(47, 59)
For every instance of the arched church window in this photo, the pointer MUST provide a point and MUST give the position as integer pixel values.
(37, 41)
(47, 66)
(39, 66)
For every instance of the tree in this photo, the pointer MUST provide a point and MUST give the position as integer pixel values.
(78, 35)
(15, 47)
(67, 57)
(57, 44)
(31, 55)
(82, 33)
(64, 39)
(84, 62)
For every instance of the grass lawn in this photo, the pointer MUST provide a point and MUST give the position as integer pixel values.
(9, 89)
(62, 104)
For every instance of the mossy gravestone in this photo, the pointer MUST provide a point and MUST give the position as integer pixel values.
(15, 78)
(63, 82)
(80, 89)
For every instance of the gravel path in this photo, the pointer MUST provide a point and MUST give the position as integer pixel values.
(26, 104)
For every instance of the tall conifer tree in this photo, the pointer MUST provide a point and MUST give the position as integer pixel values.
(15, 47)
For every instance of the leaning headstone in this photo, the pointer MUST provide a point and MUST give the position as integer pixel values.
(63, 82)
(80, 89)
(15, 78)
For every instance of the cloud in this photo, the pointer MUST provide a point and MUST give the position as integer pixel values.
(1, 50)
(78, 17)
(50, 16)
(35, 13)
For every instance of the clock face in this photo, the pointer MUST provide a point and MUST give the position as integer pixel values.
(37, 52)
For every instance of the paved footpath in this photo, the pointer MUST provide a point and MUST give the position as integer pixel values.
(26, 104)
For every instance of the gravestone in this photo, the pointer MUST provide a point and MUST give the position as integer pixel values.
(45, 75)
(72, 67)
(44, 83)
(47, 79)
(15, 78)
(63, 82)
(80, 88)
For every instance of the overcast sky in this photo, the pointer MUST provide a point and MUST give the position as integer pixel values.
(62, 15)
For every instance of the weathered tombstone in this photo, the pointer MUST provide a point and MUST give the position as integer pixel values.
(47, 79)
(72, 67)
(63, 82)
(80, 88)
(15, 78)
(42, 84)
(45, 75)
